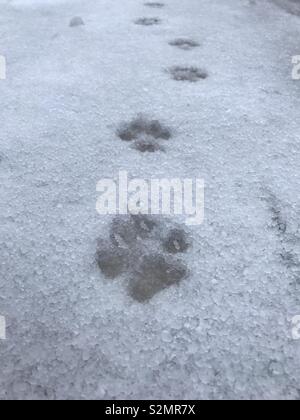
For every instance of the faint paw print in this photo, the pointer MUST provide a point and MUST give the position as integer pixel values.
(155, 5)
(76, 21)
(146, 21)
(144, 249)
(184, 43)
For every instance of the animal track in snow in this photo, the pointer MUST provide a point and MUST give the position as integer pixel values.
(190, 74)
(143, 126)
(145, 134)
(76, 21)
(142, 248)
(184, 43)
(155, 5)
(148, 21)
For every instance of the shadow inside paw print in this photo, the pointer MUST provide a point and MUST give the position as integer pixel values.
(155, 273)
(112, 261)
(145, 134)
(190, 74)
(184, 44)
(147, 21)
(142, 248)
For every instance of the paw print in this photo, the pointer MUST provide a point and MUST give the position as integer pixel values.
(76, 21)
(146, 21)
(187, 74)
(145, 134)
(184, 43)
(155, 5)
(146, 250)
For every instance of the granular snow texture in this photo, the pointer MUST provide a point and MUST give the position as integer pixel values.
(223, 333)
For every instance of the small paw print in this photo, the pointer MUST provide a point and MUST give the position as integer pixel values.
(145, 134)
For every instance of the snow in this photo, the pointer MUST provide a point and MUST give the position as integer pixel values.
(226, 332)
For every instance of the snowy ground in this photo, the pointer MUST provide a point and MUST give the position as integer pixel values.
(223, 333)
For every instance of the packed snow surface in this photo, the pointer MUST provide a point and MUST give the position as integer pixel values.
(79, 70)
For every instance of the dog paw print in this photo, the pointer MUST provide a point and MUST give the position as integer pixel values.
(147, 21)
(76, 21)
(154, 4)
(145, 134)
(147, 251)
(189, 74)
(184, 43)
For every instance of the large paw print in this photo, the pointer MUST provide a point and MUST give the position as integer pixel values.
(145, 134)
(146, 250)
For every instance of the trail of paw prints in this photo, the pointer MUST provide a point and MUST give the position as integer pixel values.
(184, 44)
(148, 21)
(187, 74)
(148, 251)
(145, 134)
